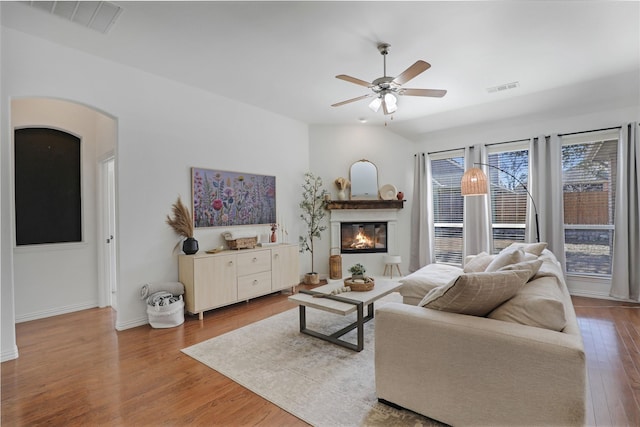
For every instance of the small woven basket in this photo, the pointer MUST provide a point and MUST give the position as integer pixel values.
(368, 284)
(243, 243)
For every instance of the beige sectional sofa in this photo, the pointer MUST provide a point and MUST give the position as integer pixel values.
(517, 360)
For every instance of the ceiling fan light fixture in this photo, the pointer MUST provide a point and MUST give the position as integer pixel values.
(375, 104)
(386, 89)
(391, 101)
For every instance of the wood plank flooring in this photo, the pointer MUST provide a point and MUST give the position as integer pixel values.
(76, 370)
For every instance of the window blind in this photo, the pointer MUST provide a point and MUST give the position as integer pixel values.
(448, 204)
(508, 196)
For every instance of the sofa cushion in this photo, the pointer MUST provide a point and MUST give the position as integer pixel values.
(476, 294)
(539, 303)
(530, 248)
(478, 263)
(417, 284)
(532, 266)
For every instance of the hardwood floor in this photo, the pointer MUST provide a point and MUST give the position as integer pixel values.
(75, 369)
(611, 335)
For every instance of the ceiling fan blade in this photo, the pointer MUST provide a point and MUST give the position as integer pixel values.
(435, 93)
(417, 68)
(353, 80)
(352, 100)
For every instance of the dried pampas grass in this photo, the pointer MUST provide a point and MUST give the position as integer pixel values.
(342, 183)
(182, 222)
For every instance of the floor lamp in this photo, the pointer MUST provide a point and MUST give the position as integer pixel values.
(474, 183)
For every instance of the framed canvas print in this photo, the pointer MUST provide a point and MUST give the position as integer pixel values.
(223, 198)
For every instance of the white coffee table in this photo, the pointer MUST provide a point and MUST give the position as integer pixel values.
(343, 303)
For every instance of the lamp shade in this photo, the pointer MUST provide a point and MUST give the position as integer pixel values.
(474, 182)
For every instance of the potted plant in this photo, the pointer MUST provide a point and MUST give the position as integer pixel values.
(313, 212)
(182, 224)
(357, 271)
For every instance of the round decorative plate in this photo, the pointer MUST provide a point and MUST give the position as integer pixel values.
(388, 192)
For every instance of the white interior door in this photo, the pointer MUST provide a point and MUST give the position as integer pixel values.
(107, 250)
(111, 226)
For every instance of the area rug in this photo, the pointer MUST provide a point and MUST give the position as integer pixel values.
(318, 382)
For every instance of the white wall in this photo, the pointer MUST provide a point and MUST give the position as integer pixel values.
(164, 128)
(333, 149)
(60, 278)
(603, 103)
(8, 347)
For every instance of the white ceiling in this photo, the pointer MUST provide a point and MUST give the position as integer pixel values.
(284, 56)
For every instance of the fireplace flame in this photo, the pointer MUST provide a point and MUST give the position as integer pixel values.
(361, 241)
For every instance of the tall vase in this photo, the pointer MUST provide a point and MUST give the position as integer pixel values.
(342, 195)
(190, 246)
(273, 236)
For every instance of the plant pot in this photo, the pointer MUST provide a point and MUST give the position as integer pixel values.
(190, 246)
(357, 276)
(311, 279)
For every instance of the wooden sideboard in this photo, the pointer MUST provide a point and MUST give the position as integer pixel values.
(223, 278)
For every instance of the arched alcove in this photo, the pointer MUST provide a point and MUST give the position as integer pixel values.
(52, 279)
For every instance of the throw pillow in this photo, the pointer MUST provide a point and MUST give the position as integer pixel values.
(505, 258)
(531, 248)
(478, 263)
(539, 303)
(476, 294)
(531, 266)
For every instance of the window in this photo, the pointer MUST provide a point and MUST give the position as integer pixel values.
(446, 173)
(47, 187)
(508, 194)
(589, 173)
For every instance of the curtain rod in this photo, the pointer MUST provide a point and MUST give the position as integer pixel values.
(588, 131)
(527, 139)
(506, 142)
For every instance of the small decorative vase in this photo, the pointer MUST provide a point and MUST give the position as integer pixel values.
(342, 195)
(273, 237)
(190, 246)
(400, 195)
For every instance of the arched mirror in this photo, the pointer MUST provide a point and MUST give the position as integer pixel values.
(364, 180)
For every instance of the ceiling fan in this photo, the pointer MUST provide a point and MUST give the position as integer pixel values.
(385, 89)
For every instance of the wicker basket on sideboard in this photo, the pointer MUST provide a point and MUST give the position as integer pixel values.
(243, 243)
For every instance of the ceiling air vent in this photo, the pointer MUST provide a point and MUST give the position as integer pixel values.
(503, 87)
(96, 15)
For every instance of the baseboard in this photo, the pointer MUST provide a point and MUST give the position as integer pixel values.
(56, 311)
(9, 355)
(121, 326)
(589, 287)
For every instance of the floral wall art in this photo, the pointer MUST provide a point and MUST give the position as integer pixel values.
(222, 198)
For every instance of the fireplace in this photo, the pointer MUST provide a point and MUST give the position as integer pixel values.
(363, 237)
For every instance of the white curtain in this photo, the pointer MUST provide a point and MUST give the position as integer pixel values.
(545, 172)
(477, 234)
(625, 275)
(422, 237)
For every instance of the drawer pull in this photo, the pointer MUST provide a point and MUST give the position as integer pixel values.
(255, 282)
(230, 263)
(254, 259)
(276, 256)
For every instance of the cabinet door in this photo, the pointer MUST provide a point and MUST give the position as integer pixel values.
(215, 281)
(285, 267)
